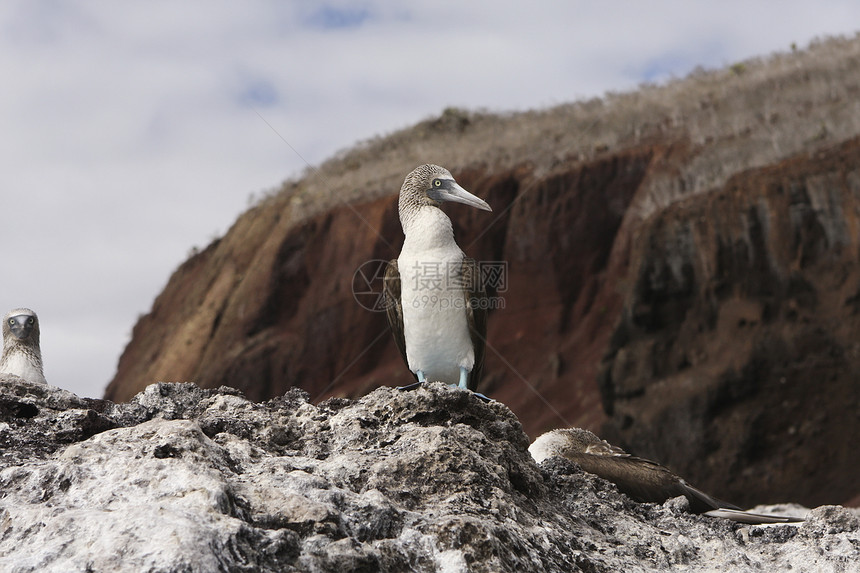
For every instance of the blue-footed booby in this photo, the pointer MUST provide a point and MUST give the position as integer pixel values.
(638, 478)
(435, 302)
(21, 354)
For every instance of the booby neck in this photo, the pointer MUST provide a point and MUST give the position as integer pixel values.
(424, 190)
(426, 227)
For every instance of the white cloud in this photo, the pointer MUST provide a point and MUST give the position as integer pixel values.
(130, 131)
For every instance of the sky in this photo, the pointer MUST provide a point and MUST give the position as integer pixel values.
(134, 132)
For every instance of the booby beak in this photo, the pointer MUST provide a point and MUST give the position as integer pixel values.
(20, 326)
(451, 191)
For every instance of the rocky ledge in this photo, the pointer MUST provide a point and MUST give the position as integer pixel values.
(186, 479)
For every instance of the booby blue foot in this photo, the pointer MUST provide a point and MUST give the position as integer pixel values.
(464, 385)
(464, 378)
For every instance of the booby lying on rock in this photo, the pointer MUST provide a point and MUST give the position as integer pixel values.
(21, 354)
(641, 479)
(435, 302)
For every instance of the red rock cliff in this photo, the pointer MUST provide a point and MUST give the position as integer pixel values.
(738, 349)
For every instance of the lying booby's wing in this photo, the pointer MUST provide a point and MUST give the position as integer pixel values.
(644, 480)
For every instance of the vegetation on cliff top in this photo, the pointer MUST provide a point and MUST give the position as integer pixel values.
(744, 115)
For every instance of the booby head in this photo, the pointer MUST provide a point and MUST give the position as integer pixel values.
(428, 186)
(23, 324)
(21, 354)
(568, 442)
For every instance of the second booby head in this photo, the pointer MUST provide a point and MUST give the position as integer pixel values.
(21, 354)
(435, 302)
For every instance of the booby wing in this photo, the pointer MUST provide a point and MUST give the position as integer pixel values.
(394, 307)
(647, 481)
(476, 316)
(642, 479)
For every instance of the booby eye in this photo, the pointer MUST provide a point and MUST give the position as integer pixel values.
(31, 320)
(437, 183)
(11, 322)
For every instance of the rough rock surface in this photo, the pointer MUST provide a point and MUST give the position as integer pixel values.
(188, 479)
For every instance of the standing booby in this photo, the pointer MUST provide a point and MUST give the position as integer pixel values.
(640, 479)
(435, 302)
(21, 354)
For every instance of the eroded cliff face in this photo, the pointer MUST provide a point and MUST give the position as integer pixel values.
(738, 349)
